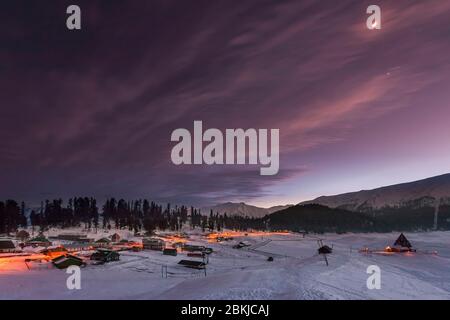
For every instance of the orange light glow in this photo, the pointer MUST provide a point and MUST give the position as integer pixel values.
(173, 239)
(17, 263)
(215, 236)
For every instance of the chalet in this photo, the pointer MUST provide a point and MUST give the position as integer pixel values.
(115, 237)
(79, 246)
(105, 256)
(39, 241)
(170, 252)
(192, 264)
(402, 242)
(63, 262)
(22, 235)
(103, 242)
(74, 237)
(400, 245)
(7, 246)
(54, 252)
(153, 244)
(241, 245)
(193, 248)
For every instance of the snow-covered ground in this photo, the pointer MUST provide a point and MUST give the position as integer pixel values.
(297, 272)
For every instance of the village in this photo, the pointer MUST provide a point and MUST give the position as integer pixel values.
(219, 265)
(68, 249)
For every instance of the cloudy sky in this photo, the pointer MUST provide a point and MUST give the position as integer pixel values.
(90, 112)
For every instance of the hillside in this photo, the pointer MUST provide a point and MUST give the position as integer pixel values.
(427, 192)
(242, 209)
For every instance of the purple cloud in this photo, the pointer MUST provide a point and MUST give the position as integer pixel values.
(91, 112)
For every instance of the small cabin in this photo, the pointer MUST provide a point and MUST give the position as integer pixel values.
(192, 264)
(400, 245)
(78, 246)
(102, 243)
(193, 248)
(153, 244)
(115, 237)
(241, 245)
(63, 262)
(39, 241)
(126, 243)
(74, 237)
(402, 242)
(22, 235)
(170, 252)
(7, 246)
(105, 256)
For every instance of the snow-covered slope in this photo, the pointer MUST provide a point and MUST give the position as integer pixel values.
(296, 272)
(431, 191)
(242, 209)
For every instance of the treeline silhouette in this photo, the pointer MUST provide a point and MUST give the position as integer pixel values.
(136, 215)
(11, 216)
(145, 216)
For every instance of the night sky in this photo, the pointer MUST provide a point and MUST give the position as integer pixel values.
(91, 112)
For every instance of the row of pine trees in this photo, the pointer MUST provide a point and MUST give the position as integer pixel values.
(137, 215)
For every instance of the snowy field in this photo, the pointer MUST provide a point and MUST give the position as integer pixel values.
(297, 272)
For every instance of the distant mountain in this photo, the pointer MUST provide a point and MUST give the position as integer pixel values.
(418, 205)
(242, 209)
(431, 192)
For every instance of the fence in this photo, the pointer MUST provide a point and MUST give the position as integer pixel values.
(166, 273)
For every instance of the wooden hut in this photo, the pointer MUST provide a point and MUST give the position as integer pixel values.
(63, 262)
(115, 237)
(74, 237)
(193, 248)
(103, 242)
(241, 245)
(153, 244)
(78, 246)
(192, 264)
(170, 252)
(105, 256)
(22, 235)
(400, 245)
(7, 246)
(39, 241)
(402, 242)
